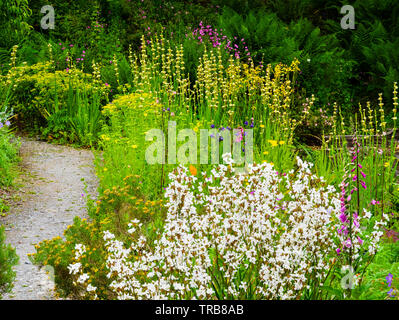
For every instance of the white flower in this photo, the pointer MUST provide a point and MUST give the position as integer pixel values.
(74, 268)
(108, 235)
(367, 214)
(91, 288)
(83, 278)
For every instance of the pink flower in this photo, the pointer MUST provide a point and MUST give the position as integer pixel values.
(363, 174)
(240, 135)
(363, 184)
(348, 243)
(343, 218)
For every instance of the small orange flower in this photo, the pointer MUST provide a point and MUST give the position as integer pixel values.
(193, 170)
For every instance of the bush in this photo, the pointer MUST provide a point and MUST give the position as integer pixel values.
(48, 99)
(8, 258)
(8, 144)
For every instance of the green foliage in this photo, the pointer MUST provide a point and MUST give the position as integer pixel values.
(8, 145)
(124, 144)
(8, 156)
(66, 104)
(8, 258)
(84, 114)
(13, 21)
(323, 63)
(374, 285)
(378, 54)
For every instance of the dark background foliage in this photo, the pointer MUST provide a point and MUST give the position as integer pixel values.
(346, 66)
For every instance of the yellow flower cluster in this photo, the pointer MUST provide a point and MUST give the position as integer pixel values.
(275, 143)
(144, 102)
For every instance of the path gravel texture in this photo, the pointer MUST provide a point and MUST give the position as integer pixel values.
(50, 196)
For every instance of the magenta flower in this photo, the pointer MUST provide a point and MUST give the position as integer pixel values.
(363, 184)
(343, 218)
(363, 174)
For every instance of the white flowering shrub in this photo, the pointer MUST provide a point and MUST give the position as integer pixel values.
(260, 235)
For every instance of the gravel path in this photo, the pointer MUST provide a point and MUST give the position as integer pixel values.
(50, 197)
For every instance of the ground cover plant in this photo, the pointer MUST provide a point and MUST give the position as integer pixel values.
(8, 157)
(295, 194)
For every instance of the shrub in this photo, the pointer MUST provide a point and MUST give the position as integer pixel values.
(8, 144)
(8, 258)
(49, 99)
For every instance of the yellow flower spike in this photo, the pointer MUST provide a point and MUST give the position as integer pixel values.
(386, 164)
